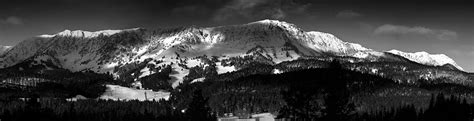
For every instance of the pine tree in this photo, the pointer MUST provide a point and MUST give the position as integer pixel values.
(198, 109)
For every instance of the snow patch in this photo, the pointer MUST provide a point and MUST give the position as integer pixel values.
(116, 92)
(145, 72)
(198, 80)
(85, 34)
(193, 62)
(267, 116)
(77, 97)
(4, 49)
(178, 74)
(137, 84)
(276, 71)
(374, 70)
(46, 36)
(224, 69)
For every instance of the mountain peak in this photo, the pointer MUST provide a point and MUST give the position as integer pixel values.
(85, 34)
(427, 58)
(275, 40)
(269, 21)
(278, 23)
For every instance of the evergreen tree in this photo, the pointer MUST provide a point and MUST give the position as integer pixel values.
(337, 100)
(198, 109)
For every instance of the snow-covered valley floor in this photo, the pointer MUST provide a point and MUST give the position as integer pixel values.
(116, 92)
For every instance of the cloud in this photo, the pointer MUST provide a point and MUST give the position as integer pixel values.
(13, 20)
(399, 31)
(258, 9)
(190, 10)
(348, 14)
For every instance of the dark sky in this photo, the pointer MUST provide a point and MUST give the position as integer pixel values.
(435, 26)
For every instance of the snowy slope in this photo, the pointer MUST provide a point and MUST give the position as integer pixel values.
(73, 48)
(115, 51)
(84, 34)
(115, 92)
(136, 54)
(4, 49)
(102, 51)
(427, 59)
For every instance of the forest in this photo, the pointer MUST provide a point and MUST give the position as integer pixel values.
(327, 94)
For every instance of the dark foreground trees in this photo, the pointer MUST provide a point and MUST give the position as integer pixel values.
(310, 94)
(85, 110)
(441, 108)
(55, 109)
(199, 109)
(96, 110)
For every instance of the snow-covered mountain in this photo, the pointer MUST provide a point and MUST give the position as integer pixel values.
(3, 49)
(83, 34)
(275, 38)
(427, 59)
(116, 51)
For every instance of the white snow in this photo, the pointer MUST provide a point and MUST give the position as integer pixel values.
(145, 72)
(86, 34)
(46, 36)
(374, 70)
(426, 58)
(141, 50)
(222, 41)
(4, 49)
(198, 80)
(212, 41)
(224, 69)
(264, 115)
(110, 65)
(361, 55)
(137, 84)
(178, 74)
(116, 92)
(326, 42)
(193, 62)
(277, 71)
(77, 97)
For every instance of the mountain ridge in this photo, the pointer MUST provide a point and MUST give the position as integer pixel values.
(326, 42)
(86, 34)
(182, 49)
(171, 41)
(427, 59)
(3, 49)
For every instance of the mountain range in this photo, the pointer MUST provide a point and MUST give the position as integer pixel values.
(131, 55)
